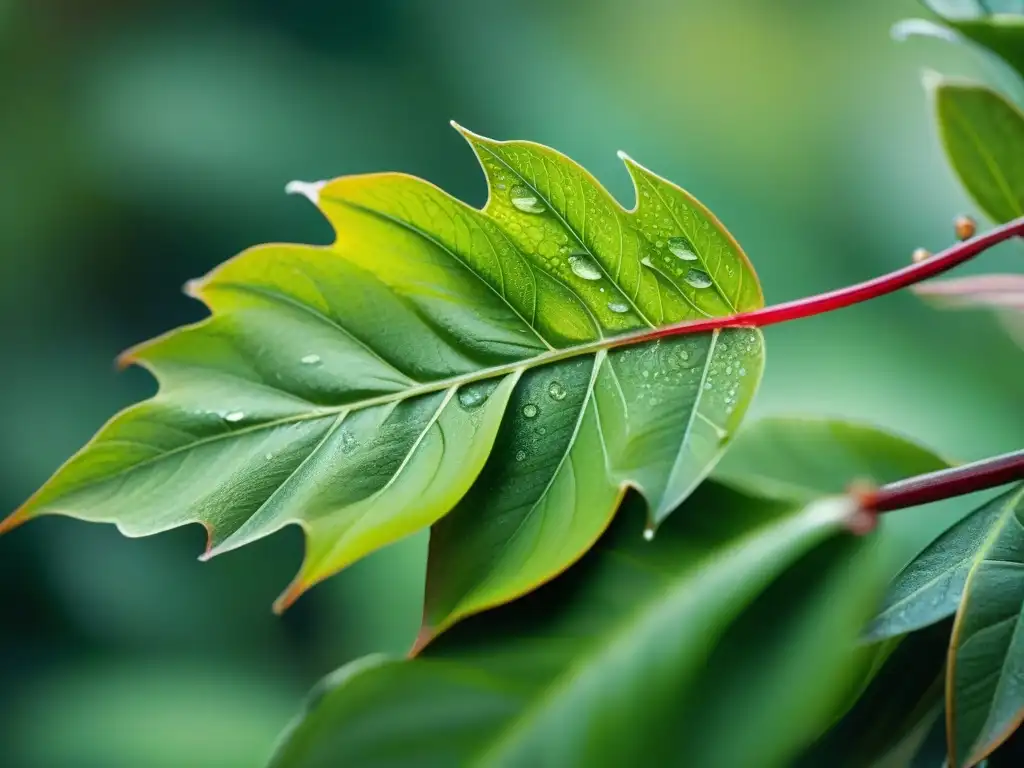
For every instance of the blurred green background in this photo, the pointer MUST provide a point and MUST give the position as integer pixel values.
(144, 141)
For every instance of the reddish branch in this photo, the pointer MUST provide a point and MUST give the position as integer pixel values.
(845, 297)
(946, 483)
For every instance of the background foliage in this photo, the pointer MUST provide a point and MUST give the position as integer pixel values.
(145, 142)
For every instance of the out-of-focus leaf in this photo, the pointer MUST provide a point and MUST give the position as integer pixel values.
(437, 358)
(984, 695)
(996, 25)
(1002, 293)
(1001, 35)
(895, 712)
(983, 134)
(930, 588)
(804, 458)
(643, 653)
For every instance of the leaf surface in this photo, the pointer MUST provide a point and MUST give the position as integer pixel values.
(983, 134)
(643, 653)
(984, 688)
(439, 359)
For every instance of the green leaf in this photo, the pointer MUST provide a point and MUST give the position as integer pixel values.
(896, 710)
(984, 696)
(983, 134)
(929, 588)
(643, 653)
(436, 357)
(995, 26)
(803, 458)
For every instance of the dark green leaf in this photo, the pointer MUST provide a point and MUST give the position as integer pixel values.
(895, 712)
(984, 689)
(930, 588)
(434, 358)
(983, 134)
(643, 653)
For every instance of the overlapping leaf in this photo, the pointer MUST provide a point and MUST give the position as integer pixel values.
(644, 653)
(975, 570)
(439, 360)
(729, 640)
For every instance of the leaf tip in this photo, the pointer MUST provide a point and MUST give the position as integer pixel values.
(423, 639)
(308, 189)
(13, 520)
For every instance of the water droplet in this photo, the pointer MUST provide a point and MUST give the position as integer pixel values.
(684, 355)
(618, 307)
(269, 456)
(707, 385)
(728, 370)
(681, 247)
(698, 278)
(311, 360)
(234, 417)
(582, 266)
(542, 431)
(743, 371)
(471, 397)
(556, 390)
(525, 199)
(530, 411)
(648, 534)
(520, 455)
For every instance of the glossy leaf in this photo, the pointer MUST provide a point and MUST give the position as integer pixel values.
(984, 694)
(437, 358)
(642, 654)
(983, 134)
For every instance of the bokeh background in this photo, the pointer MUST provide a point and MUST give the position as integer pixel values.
(144, 141)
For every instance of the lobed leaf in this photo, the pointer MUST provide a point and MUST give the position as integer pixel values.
(643, 653)
(485, 368)
(983, 134)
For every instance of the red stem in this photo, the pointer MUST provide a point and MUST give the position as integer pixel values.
(843, 297)
(946, 483)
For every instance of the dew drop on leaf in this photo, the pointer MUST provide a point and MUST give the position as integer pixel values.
(473, 396)
(582, 266)
(530, 411)
(520, 455)
(618, 307)
(234, 417)
(556, 390)
(311, 360)
(525, 199)
(698, 278)
(680, 246)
